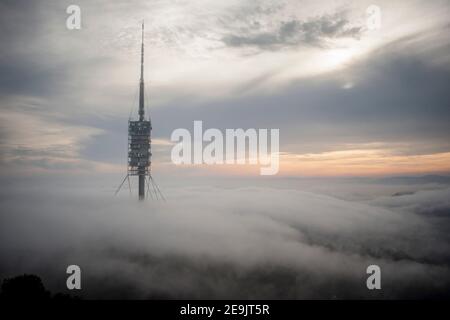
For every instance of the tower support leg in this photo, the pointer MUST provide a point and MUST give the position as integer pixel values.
(141, 187)
(118, 189)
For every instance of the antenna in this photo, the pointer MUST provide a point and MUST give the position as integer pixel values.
(141, 82)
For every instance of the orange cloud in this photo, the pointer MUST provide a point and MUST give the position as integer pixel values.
(356, 162)
(363, 162)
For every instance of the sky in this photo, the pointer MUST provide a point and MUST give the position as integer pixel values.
(363, 118)
(348, 101)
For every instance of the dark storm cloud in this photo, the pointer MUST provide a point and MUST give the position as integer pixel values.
(224, 243)
(315, 32)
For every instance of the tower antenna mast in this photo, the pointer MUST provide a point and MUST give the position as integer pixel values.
(141, 165)
(141, 81)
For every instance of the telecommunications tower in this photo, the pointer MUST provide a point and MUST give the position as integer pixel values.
(139, 146)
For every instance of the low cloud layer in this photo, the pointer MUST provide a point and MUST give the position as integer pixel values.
(229, 243)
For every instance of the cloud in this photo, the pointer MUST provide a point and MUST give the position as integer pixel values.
(223, 243)
(32, 138)
(395, 92)
(430, 203)
(396, 86)
(316, 31)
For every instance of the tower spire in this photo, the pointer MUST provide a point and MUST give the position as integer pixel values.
(142, 169)
(141, 82)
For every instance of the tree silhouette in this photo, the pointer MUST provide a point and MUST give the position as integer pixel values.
(24, 287)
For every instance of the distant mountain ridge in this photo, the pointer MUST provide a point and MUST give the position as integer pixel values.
(441, 179)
